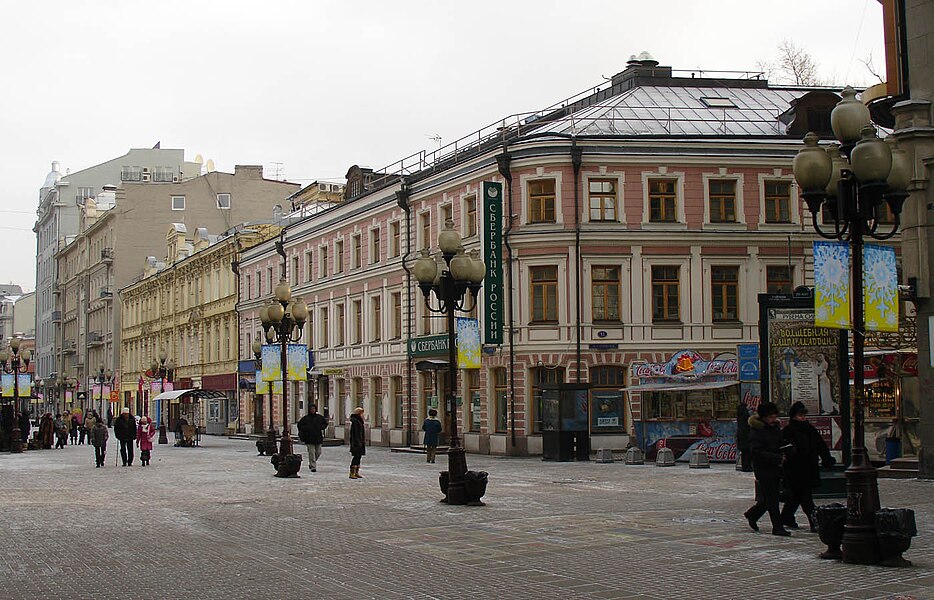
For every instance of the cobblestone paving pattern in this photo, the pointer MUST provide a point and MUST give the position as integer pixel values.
(213, 522)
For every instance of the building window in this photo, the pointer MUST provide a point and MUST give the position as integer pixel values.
(605, 284)
(470, 216)
(663, 201)
(544, 294)
(223, 201)
(246, 287)
(472, 411)
(425, 321)
(131, 174)
(375, 246)
(539, 377)
(377, 318)
(500, 399)
(83, 194)
(357, 322)
(357, 251)
(178, 203)
(325, 331)
(778, 279)
(602, 199)
(343, 410)
(665, 286)
(542, 201)
(777, 202)
(722, 198)
(376, 387)
(396, 315)
(323, 261)
(424, 220)
(884, 215)
(341, 310)
(447, 214)
(725, 292)
(398, 402)
(339, 256)
(308, 274)
(395, 241)
(293, 276)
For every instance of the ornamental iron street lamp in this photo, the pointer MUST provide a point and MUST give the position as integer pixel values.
(15, 362)
(164, 369)
(102, 378)
(450, 283)
(265, 445)
(855, 180)
(284, 322)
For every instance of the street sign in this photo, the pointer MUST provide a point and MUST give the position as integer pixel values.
(748, 355)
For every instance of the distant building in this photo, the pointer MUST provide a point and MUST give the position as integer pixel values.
(24, 315)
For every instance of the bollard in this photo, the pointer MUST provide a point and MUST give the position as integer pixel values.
(604, 455)
(699, 460)
(665, 458)
(634, 456)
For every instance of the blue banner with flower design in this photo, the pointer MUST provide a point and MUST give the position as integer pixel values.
(832, 285)
(880, 288)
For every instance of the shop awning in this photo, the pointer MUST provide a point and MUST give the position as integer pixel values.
(431, 364)
(172, 395)
(681, 386)
(193, 392)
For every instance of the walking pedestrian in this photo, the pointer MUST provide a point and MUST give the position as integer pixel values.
(357, 442)
(82, 428)
(765, 443)
(742, 437)
(98, 437)
(144, 434)
(432, 428)
(801, 470)
(125, 431)
(73, 424)
(311, 431)
(61, 431)
(46, 431)
(24, 426)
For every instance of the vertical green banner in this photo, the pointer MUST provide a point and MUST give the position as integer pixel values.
(493, 297)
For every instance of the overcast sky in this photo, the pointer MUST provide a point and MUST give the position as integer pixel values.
(318, 86)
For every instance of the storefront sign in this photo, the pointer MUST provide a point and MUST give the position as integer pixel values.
(748, 361)
(428, 345)
(603, 346)
(493, 292)
(685, 365)
(332, 371)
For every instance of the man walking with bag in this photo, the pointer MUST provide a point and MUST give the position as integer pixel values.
(311, 431)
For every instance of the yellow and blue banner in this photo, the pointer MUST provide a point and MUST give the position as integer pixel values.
(880, 288)
(297, 362)
(468, 343)
(6, 383)
(272, 363)
(832, 285)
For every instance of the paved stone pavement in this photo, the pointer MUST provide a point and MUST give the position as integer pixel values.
(212, 522)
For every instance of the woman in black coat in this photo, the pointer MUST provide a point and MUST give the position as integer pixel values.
(765, 443)
(801, 470)
(357, 442)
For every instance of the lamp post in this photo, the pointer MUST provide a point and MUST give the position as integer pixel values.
(855, 179)
(461, 273)
(163, 369)
(15, 362)
(284, 322)
(268, 445)
(102, 377)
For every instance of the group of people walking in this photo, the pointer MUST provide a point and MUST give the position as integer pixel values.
(784, 460)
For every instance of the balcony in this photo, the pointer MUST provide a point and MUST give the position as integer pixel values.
(107, 255)
(107, 294)
(56, 316)
(69, 347)
(95, 339)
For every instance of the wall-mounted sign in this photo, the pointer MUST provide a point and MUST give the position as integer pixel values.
(748, 361)
(428, 345)
(493, 292)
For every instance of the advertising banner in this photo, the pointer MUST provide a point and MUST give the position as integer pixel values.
(24, 383)
(272, 363)
(803, 362)
(297, 362)
(832, 284)
(880, 288)
(7, 383)
(468, 343)
(493, 293)
(262, 387)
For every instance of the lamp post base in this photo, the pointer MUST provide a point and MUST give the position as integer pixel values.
(860, 541)
(16, 439)
(286, 463)
(163, 435)
(457, 470)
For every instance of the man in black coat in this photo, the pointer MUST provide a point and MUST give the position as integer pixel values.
(742, 437)
(24, 426)
(801, 471)
(125, 431)
(765, 443)
(311, 431)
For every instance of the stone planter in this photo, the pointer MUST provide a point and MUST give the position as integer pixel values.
(475, 486)
(443, 480)
(831, 519)
(895, 527)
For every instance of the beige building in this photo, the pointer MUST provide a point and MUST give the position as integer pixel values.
(186, 306)
(123, 226)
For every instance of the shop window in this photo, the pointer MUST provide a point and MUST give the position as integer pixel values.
(725, 292)
(603, 199)
(398, 401)
(542, 201)
(359, 399)
(544, 294)
(777, 202)
(472, 411)
(663, 201)
(540, 376)
(778, 279)
(605, 284)
(722, 200)
(500, 399)
(343, 411)
(376, 385)
(665, 293)
(427, 397)
(607, 399)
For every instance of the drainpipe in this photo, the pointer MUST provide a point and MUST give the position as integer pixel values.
(402, 199)
(502, 162)
(576, 160)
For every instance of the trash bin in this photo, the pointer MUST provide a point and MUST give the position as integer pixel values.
(893, 449)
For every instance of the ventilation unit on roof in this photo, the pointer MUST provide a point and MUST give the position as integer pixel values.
(718, 102)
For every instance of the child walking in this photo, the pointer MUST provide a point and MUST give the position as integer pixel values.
(145, 431)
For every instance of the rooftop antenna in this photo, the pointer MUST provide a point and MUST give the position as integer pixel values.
(435, 137)
(277, 170)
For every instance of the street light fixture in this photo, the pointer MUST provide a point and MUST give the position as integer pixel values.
(855, 180)
(265, 445)
(102, 378)
(164, 370)
(284, 322)
(15, 362)
(459, 274)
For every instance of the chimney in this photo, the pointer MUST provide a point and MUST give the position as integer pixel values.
(248, 171)
(642, 66)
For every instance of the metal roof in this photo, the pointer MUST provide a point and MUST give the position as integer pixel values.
(680, 111)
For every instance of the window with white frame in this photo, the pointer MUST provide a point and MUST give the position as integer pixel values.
(603, 198)
(223, 201)
(375, 245)
(395, 239)
(178, 203)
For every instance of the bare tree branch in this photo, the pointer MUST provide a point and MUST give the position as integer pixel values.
(796, 65)
(868, 63)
